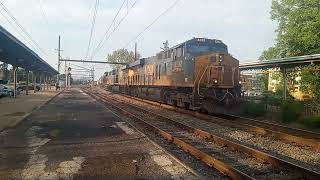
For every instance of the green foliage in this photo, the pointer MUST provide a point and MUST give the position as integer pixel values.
(310, 82)
(270, 53)
(297, 34)
(311, 122)
(121, 56)
(273, 99)
(253, 109)
(263, 81)
(291, 111)
(298, 27)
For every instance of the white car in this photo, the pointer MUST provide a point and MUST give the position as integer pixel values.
(6, 90)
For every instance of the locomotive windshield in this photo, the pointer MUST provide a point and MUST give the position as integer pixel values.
(205, 46)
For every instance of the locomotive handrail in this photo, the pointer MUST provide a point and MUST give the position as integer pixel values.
(208, 66)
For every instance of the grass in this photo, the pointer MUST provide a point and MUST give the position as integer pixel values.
(311, 122)
(291, 111)
(253, 109)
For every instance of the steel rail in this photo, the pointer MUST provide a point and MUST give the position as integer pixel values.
(288, 134)
(263, 157)
(206, 158)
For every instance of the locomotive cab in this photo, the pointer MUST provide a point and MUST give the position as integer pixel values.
(216, 76)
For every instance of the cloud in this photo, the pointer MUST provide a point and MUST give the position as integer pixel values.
(244, 26)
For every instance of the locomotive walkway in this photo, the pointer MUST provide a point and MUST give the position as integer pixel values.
(74, 136)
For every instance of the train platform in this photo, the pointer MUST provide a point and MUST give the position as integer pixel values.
(75, 137)
(14, 110)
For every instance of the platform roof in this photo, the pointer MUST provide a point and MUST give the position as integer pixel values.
(14, 52)
(283, 62)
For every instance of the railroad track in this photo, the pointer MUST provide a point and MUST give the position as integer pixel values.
(277, 131)
(230, 158)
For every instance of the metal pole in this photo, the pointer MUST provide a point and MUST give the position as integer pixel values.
(58, 60)
(14, 81)
(284, 74)
(27, 83)
(66, 73)
(50, 80)
(40, 79)
(45, 82)
(135, 51)
(34, 76)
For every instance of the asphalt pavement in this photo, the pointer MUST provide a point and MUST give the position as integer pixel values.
(75, 137)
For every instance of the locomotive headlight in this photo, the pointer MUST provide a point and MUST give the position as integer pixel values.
(240, 82)
(215, 81)
(221, 58)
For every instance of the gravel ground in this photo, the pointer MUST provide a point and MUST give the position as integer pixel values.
(199, 167)
(239, 160)
(289, 151)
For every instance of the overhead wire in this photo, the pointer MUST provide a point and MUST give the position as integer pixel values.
(43, 13)
(153, 22)
(21, 27)
(108, 29)
(22, 35)
(95, 12)
(106, 36)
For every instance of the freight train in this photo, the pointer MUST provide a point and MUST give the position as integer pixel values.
(196, 74)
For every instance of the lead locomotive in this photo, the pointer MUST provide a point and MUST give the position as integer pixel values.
(196, 74)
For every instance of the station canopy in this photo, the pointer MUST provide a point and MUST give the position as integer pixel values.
(289, 62)
(14, 52)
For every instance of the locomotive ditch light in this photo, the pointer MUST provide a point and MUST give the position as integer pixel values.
(220, 58)
(240, 82)
(215, 81)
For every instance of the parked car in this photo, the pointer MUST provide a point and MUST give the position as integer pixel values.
(7, 90)
(23, 86)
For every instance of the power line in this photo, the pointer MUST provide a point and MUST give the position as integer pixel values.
(154, 21)
(22, 35)
(21, 27)
(105, 37)
(43, 13)
(95, 12)
(107, 30)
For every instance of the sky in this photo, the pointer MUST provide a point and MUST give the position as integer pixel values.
(244, 25)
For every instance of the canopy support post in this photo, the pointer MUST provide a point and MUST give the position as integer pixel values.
(14, 81)
(27, 82)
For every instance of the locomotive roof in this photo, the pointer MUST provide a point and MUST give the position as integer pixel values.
(194, 40)
(142, 61)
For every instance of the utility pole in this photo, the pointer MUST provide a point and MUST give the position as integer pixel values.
(92, 76)
(135, 51)
(66, 74)
(58, 60)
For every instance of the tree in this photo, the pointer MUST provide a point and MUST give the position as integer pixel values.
(270, 53)
(297, 34)
(165, 46)
(262, 80)
(298, 28)
(121, 56)
(311, 81)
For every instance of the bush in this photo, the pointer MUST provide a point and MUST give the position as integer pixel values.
(311, 122)
(291, 111)
(253, 109)
(272, 98)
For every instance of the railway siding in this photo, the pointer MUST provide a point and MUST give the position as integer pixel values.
(301, 155)
(238, 155)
